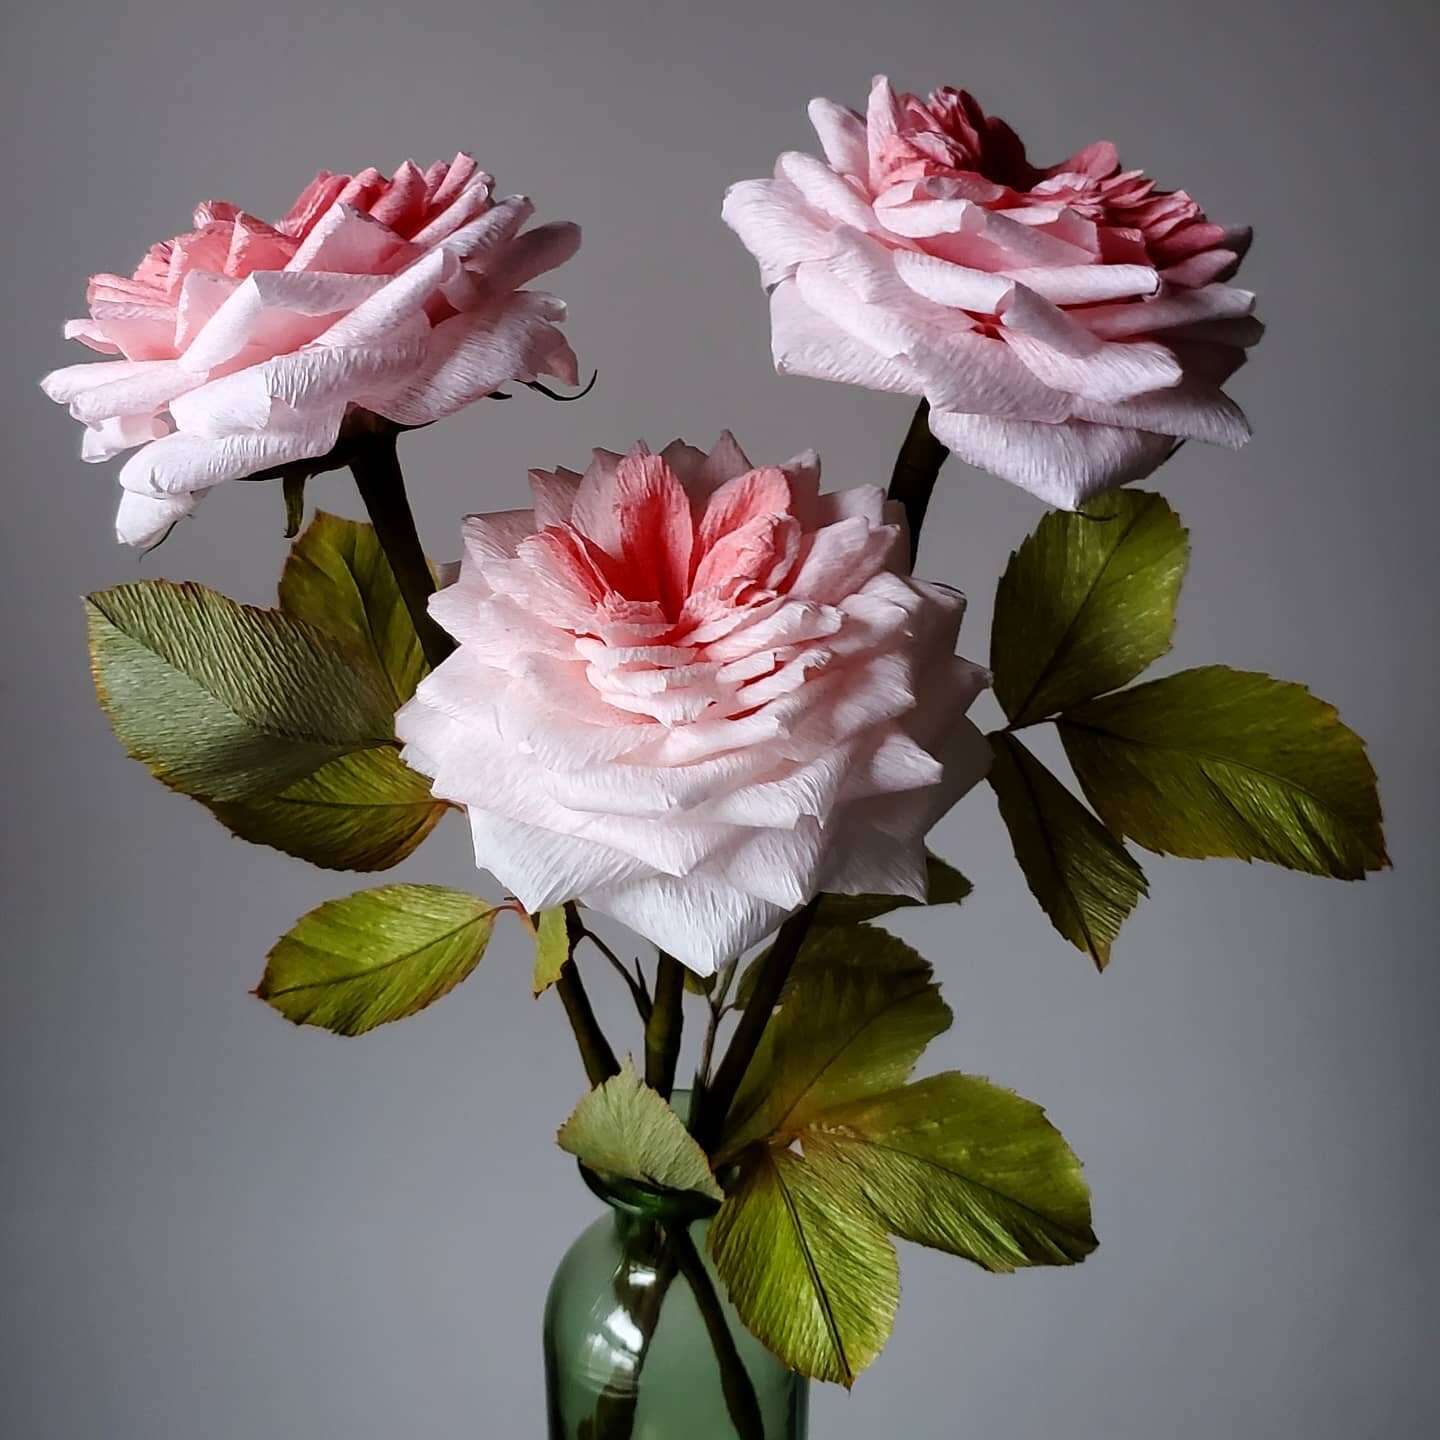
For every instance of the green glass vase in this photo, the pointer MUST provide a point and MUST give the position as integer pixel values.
(641, 1343)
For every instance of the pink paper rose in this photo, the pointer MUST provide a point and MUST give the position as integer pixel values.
(691, 693)
(246, 344)
(1067, 326)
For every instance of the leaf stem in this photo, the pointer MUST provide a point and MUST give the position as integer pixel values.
(774, 970)
(634, 983)
(595, 1052)
(376, 467)
(916, 468)
(665, 1026)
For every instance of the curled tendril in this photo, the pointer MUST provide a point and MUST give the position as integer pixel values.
(556, 395)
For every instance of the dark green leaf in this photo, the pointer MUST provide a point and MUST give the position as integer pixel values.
(961, 1165)
(365, 811)
(376, 956)
(1228, 762)
(854, 1022)
(625, 1128)
(808, 1268)
(223, 701)
(552, 947)
(1080, 873)
(338, 578)
(1086, 603)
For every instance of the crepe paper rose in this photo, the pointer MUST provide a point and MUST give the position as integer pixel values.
(691, 693)
(246, 345)
(1068, 326)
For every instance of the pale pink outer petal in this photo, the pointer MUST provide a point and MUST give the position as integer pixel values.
(180, 463)
(1063, 465)
(1064, 354)
(820, 188)
(469, 356)
(842, 137)
(114, 436)
(772, 220)
(702, 922)
(145, 520)
(807, 343)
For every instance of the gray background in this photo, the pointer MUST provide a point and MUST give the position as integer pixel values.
(213, 1225)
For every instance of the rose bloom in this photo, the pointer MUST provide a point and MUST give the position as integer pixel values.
(1068, 326)
(246, 344)
(690, 693)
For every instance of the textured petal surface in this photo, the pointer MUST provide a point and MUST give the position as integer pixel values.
(245, 344)
(1047, 315)
(688, 693)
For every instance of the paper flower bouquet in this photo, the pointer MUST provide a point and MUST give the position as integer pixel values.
(702, 695)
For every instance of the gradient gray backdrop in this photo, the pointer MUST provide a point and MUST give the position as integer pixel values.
(216, 1227)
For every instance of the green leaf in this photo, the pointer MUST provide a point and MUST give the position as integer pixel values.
(958, 1164)
(223, 701)
(552, 948)
(625, 1128)
(1080, 873)
(945, 885)
(855, 1021)
(834, 948)
(1227, 762)
(365, 811)
(1086, 603)
(338, 578)
(808, 1268)
(376, 956)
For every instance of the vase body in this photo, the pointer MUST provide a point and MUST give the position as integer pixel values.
(631, 1355)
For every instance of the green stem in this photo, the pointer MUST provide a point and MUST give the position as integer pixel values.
(376, 468)
(595, 1052)
(663, 1030)
(916, 468)
(774, 971)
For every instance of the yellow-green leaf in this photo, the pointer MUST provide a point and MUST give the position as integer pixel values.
(222, 701)
(624, 1128)
(945, 886)
(854, 1022)
(376, 956)
(961, 1165)
(1080, 873)
(807, 1266)
(1227, 762)
(338, 578)
(365, 811)
(552, 947)
(1086, 603)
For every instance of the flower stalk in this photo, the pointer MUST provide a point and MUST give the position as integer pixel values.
(916, 468)
(376, 467)
(596, 1053)
(665, 1026)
